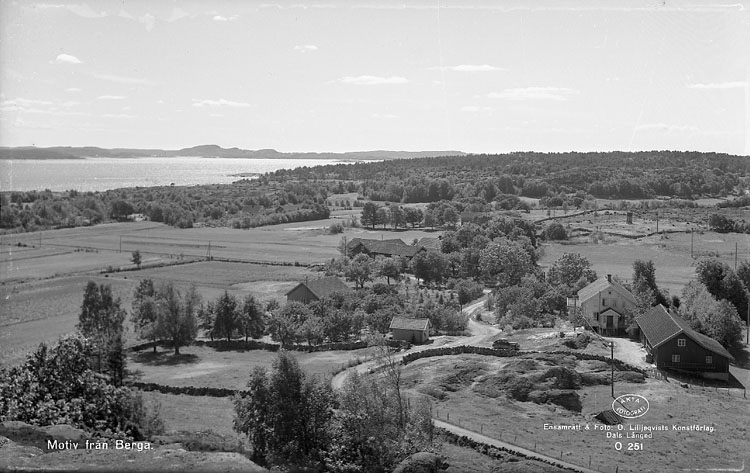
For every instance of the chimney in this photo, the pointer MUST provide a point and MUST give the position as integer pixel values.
(609, 277)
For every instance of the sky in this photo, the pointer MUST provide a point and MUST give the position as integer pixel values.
(475, 76)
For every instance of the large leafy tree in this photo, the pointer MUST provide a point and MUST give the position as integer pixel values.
(723, 283)
(102, 321)
(226, 321)
(359, 270)
(505, 261)
(144, 313)
(571, 271)
(388, 268)
(252, 318)
(717, 319)
(369, 216)
(286, 415)
(177, 315)
(55, 386)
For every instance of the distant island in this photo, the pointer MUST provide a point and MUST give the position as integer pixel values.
(206, 151)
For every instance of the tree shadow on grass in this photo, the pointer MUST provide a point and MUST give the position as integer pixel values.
(165, 358)
(741, 356)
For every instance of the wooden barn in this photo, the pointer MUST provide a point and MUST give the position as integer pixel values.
(316, 289)
(411, 330)
(673, 345)
(387, 248)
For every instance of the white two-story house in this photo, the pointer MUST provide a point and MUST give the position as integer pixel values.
(602, 304)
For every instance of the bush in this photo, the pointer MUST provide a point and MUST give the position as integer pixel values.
(335, 227)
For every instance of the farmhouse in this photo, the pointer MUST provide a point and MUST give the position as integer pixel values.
(411, 330)
(603, 304)
(316, 289)
(387, 248)
(673, 345)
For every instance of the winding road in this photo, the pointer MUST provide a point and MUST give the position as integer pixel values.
(481, 334)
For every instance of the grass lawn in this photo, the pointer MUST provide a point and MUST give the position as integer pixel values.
(194, 413)
(203, 366)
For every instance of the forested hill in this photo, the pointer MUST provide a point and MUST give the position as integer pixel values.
(66, 152)
(607, 175)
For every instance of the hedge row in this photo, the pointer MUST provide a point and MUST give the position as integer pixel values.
(462, 349)
(242, 345)
(189, 390)
(496, 452)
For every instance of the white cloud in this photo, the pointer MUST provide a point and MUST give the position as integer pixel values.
(475, 108)
(66, 59)
(25, 102)
(664, 128)
(111, 97)
(148, 20)
(303, 48)
(118, 115)
(387, 116)
(124, 79)
(177, 14)
(471, 68)
(719, 85)
(534, 93)
(73, 90)
(373, 80)
(82, 10)
(225, 18)
(216, 115)
(219, 103)
(70, 103)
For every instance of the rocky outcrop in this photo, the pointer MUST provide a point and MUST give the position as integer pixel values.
(422, 462)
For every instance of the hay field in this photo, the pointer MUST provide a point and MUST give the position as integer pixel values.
(42, 311)
(671, 255)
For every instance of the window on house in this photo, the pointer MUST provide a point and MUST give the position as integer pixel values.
(680, 342)
(604, 301)
(709, 359)
(675, 358)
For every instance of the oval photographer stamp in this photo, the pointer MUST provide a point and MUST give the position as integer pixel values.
(630, 406)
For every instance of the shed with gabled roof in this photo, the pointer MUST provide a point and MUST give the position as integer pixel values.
(674, 345)
(316, 289)
(411, 330)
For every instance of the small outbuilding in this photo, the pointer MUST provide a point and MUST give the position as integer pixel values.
(411, 330)
(316, 289)
(673, 345)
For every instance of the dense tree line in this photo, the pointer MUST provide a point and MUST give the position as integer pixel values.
(243, 204)
(614, 175)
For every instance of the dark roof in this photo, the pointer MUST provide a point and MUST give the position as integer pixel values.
(406, 323)
(659, 325)
(324, 286)
(392, 247)
(430, 243)
(602, 284)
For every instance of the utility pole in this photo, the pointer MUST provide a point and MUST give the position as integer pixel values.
(747, 322)
(612, 348)
(691, 242)
(735, 255)
(120, 243)
(208, 254)
(657, 222)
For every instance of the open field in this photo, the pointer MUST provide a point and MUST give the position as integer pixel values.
(203, 366)
(41, 311)
(522, 423)
(195, 413)
(671, 255)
